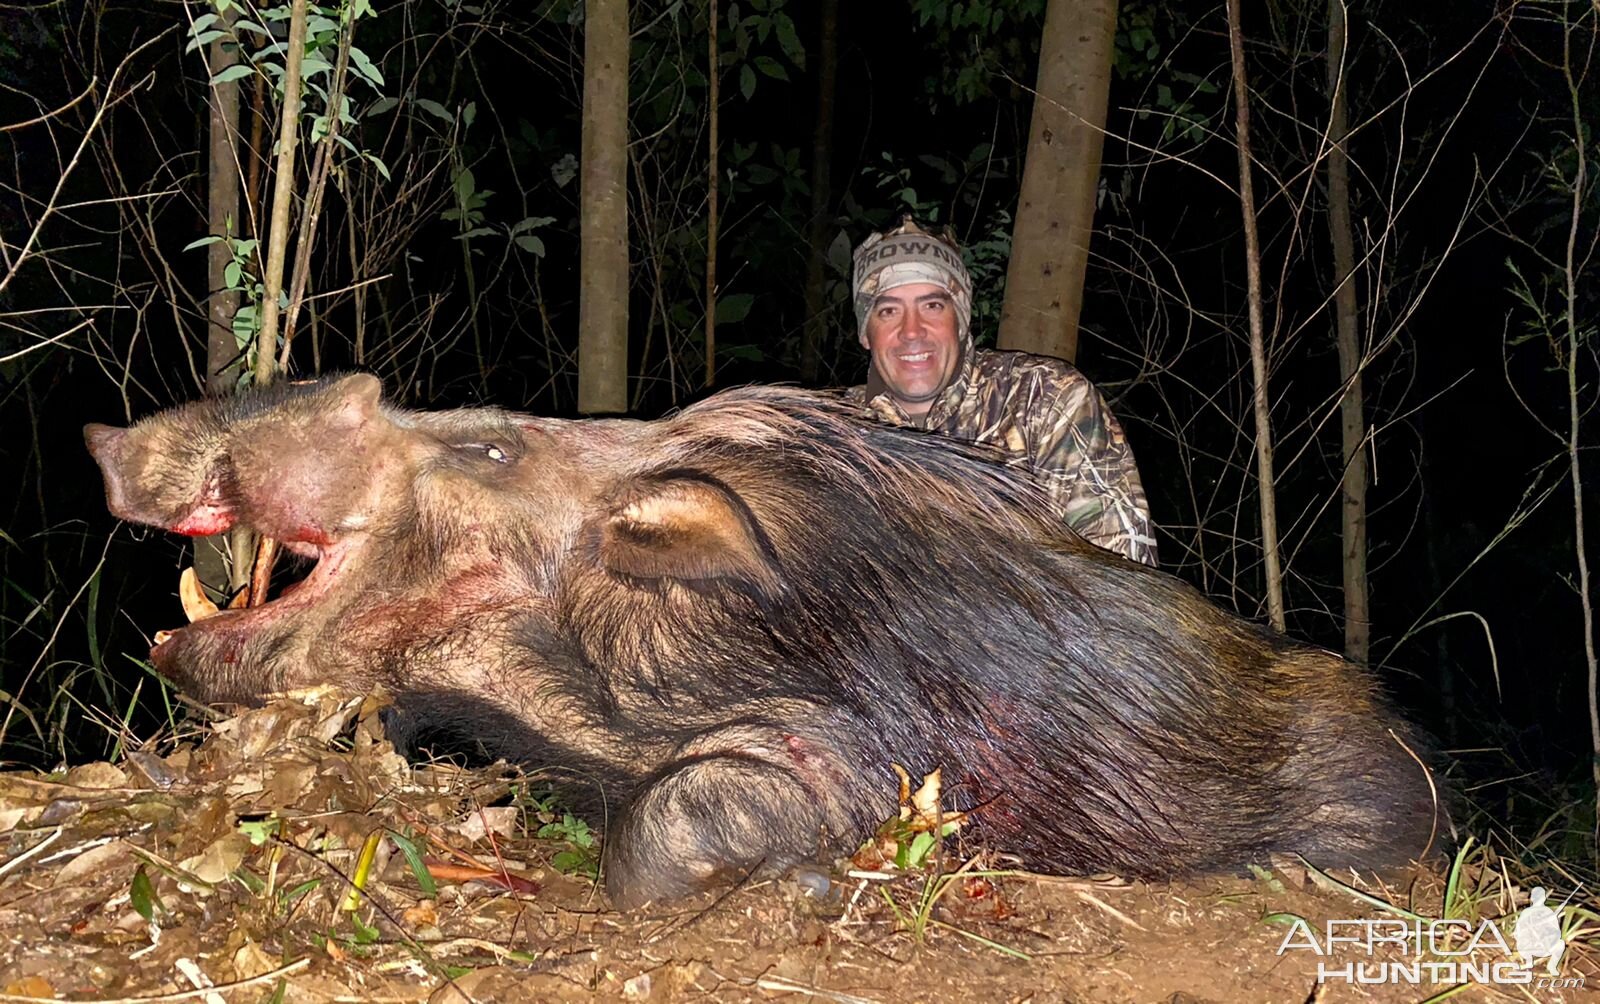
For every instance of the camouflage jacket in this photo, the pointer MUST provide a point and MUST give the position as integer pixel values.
(1045, 413)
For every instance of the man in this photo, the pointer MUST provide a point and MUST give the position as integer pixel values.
(913, 302)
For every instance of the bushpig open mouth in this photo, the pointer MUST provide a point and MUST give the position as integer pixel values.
(239, 617)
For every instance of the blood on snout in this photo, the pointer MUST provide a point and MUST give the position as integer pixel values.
(205, 521)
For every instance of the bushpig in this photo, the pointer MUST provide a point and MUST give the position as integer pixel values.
(730, 623)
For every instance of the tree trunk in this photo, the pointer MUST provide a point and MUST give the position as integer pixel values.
(1258, 338)
(815, 332)
(713, 107)
(282, 197)
(1060, 175)
(223, 359)
(1352, 422)
(603, 197)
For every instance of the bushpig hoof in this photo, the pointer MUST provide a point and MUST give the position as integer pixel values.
(705, 822)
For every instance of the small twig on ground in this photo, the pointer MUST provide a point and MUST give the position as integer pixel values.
(782, 985)
(183, 995)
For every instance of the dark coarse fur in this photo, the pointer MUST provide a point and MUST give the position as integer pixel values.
(732, 622)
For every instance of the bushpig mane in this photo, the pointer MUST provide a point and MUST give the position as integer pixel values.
(1057, 659)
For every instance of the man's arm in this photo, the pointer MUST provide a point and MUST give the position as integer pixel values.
(1082, 458)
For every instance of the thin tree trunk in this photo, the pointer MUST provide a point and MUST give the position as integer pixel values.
(252, 185)
(1060, 176)
(316, 188)
(1574, 353)
(815, 332)
(223, 360)
(277, 251)
(282, 196)
(1258, 344)
(1352, 420)
(714, 76)
(603, 194)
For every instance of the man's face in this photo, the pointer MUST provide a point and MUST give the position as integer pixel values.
(912, 335)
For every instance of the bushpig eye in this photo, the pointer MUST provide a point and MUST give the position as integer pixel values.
(492, 451)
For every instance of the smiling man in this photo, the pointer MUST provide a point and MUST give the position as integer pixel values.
(913, 303)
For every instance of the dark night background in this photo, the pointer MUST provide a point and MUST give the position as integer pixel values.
(1464, 126)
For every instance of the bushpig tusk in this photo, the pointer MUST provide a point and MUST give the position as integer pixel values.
(197, 606)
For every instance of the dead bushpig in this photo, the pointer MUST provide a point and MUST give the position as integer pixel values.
(730, 623)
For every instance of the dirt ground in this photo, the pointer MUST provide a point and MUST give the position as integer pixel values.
(223, 871)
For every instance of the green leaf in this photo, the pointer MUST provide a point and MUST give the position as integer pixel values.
(204, 38)
(93, 620)
(564, 170)
(771, 67)
(573, 863)
(300, 890)
(236, 72)
(142, 895)
(365, 935)
(532, 223)
(437, 110)
(251, 881)
(734, 308)
(382, 105)
(921, 845)
(231, 274)
(312, 65)
(259, 830)
(202, 22)
(382, 169)
(244, 325)
(202, 242)
(363, 65)
(789, 39)
(251, 26)
(747, 81)
(419, 871)
(531, 244)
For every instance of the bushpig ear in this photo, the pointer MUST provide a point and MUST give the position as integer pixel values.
(356, 398)
(686, 528)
